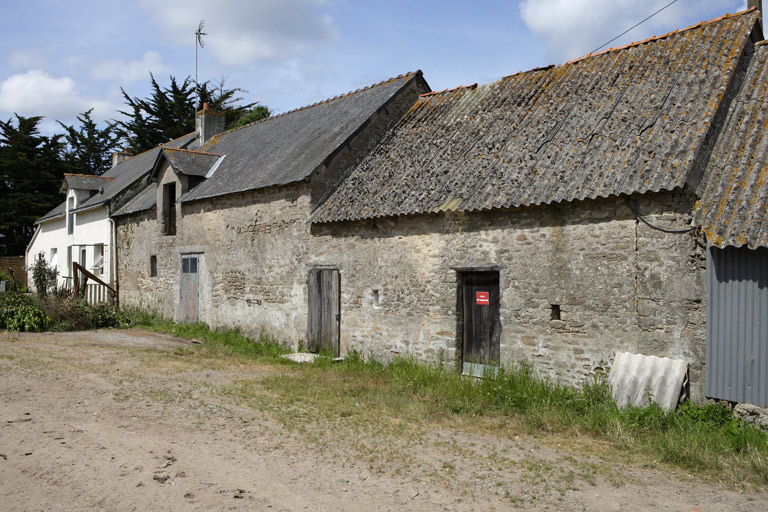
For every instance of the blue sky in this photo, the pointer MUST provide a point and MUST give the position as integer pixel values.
(62, 58)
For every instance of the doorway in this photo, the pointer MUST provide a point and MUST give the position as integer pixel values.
(481, 329)
(324, 314)
(189, 288)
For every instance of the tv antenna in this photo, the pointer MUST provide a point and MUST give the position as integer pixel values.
(198, 42)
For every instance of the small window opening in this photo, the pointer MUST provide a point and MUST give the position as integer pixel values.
(376, 297)
(153, 266)
(555, 312)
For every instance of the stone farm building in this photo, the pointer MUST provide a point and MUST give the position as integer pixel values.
(555, 216)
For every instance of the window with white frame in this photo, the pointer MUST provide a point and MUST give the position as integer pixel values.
(98, 260)
(70, 216)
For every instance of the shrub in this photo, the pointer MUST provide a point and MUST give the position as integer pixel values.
(43, 275)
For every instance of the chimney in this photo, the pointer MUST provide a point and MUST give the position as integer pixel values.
(208, 124)
(120, 156)
(757, 4)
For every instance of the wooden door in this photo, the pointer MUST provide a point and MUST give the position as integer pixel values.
(324, 312)
(189, 288)
(482, 327)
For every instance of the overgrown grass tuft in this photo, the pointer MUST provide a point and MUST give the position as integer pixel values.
(226, 342)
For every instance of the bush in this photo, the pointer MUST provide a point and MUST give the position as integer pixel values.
(18, 313)
(43, 275)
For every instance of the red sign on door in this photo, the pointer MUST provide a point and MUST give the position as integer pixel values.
(482, 298)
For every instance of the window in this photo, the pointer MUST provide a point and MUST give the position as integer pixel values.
(70, 216)
(69, 261)
(54, 257)
(169, 208)
(153, 266)
(98, 259)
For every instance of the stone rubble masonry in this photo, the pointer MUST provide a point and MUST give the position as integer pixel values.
(620, 285)
(253, 245)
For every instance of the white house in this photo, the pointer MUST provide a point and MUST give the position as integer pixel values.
(80, 229)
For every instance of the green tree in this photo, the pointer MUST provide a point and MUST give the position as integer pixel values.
(89, 149)
(256, 113)
(31, 170)
(170, 112)
(167, 114)
(228, 101)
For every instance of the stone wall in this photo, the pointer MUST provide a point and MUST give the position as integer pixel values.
(252, 249)
(252, 246)
(619, 284)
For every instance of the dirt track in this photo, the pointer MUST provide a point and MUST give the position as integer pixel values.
(109, 420)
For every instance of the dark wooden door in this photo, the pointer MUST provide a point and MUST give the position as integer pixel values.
(482, 327)
(189, 288)
(324, 311)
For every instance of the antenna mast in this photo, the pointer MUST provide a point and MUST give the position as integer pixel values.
(198, 42)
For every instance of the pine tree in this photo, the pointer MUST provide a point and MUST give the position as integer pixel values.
(169, 113)
(166, 115)
(31, 170)
(89, 149)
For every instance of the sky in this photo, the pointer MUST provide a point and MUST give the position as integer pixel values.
(62, 58)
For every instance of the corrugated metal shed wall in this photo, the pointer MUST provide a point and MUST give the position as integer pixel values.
(737, 325)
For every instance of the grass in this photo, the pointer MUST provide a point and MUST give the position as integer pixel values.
(227, 342)
(382, 408)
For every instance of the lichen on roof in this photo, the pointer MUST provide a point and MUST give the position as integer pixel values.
(624, 121)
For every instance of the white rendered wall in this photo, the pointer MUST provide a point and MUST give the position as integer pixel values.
(91, 227)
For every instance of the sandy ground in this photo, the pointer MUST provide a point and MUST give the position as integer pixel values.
(88, 421)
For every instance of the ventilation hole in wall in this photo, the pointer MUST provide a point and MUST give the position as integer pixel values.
(555, 313)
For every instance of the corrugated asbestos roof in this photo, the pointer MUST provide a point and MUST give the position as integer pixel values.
(624, 121)
(733, 210)
(191, 163)
(289, 147)
(121, 177)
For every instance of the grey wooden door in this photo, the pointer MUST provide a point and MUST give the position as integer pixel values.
(482, 327)
(189, 288)
(324, 312)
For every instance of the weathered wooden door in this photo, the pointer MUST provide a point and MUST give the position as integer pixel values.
(324, 312)
(482, 327)
(189, 288)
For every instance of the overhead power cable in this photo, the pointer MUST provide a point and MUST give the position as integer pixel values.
(634, 26)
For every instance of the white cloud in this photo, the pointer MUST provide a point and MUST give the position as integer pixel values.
(26, 59)
(572, 28)
(37, 93)
(124, 72)
(243, 32)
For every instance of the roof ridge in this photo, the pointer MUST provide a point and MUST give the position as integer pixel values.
(328, 100)
(444, 91)
(662, 36)
(88, 176)
(163, 145)
(191, 151)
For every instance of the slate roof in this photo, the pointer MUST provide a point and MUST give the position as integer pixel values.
(627, 120)
(144, 200)
(733, 209)
(84, 181)
(121, 177)
(191, 163)
(287, 148)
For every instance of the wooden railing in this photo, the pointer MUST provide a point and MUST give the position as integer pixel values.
(93, 293)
